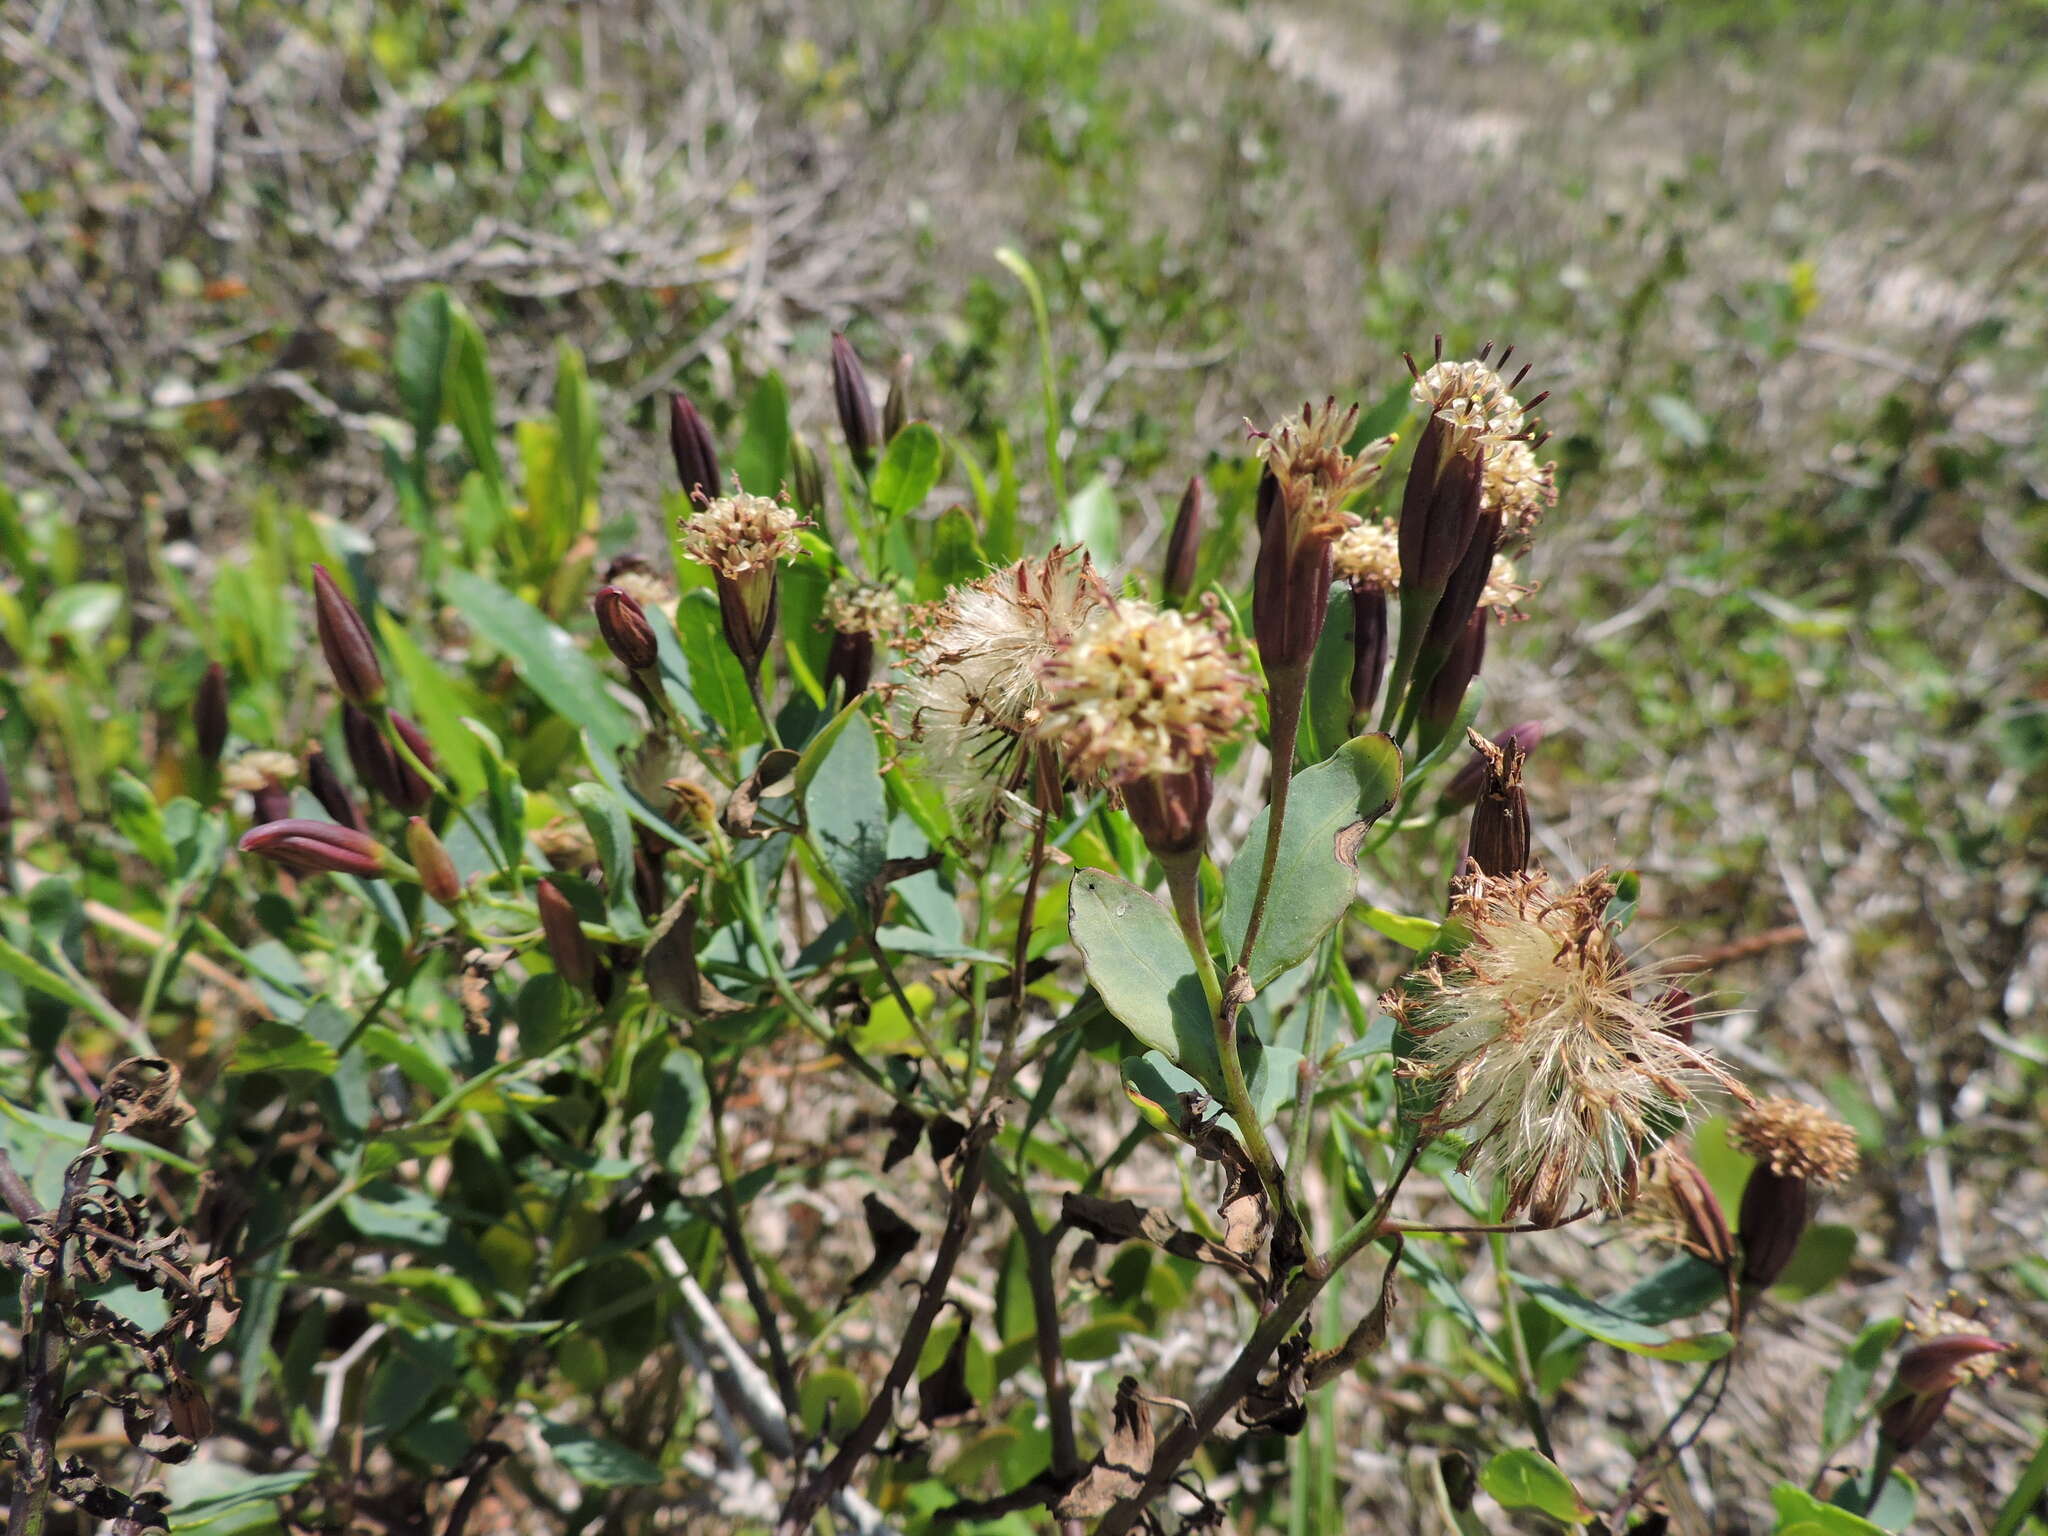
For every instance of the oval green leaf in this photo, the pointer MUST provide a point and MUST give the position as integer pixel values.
(1135, 956)
(1524, 1480)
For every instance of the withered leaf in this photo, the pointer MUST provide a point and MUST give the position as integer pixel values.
(209, 1311)
(1275, 1403)
(906, 1125)
(141, 1097)
(1244, 1211)
(895, 1240)
(770, 778)
(942, 1397)
(1121, 1466)
(478, 967)
(944, 1135)
(1124, 1221)
(670, 965)
(1368, 1336)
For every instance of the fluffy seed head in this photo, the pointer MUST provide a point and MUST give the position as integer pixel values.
(976, 684)
(1369, 556)
(741, 533)
(1141, 693)
(1538, 1050)
(1798, 1140)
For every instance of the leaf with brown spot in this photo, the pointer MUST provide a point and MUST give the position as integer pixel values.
(1370, 1334)
(669, 963)
(1125, 1221)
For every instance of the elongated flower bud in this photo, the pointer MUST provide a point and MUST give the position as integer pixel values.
(377, 763)
(1459, 601)
(1462, 789)
(850, 663)
(1955, 1350)
(345, 641)
(806, 476)
(1795, 1144)
(210, 714)
(567, 945)
(689, 439)
(1703, 1227)
(1678, 1007)
(416, 790)
(314, 847)
(1368, 652)
(1171, 810)
(625, 627)
(430, 859)
(1183, 545)
(326, 787)
(856, 407)
(1773, 1220)
(1499, 842)
(896, 404)
(1438, 709)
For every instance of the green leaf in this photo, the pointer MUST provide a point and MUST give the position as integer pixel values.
(577, 425)
(611, 832)
(597, 1463)
(1849, 1388)
(550, 662)
(33, 973)
(1623, 1331)
(1681, 420)
(846, 808)
(956, 551)
(762, 458)
(2032, 1484)
(419, 362)
(1326, 716)
(1329, 807)
(1091, 520)
(232, 1492)
(437, 707)
(1136, 958)
(466, 387)
(680, 1100)
(717, 685)
(1156, 1087)
(1893, 1506)
(908, 471)
(1417, 933)
(1825, 1252)
(1685, 1287)
(138, 819)
(1524, 1480)
(1801, 1514)
(276, 1046)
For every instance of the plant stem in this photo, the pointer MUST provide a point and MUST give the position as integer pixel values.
(753, 675)
(1284, 689)
(743, 1259)
(1040, 1247)
(1518, 1343)
(1311, 1064)
(1184, 885)
(506, 859)
(1416, 607)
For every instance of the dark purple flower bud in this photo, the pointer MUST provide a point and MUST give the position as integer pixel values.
(269, 802)
(624, 625)
(689, 439)
(1772, 1219)
(1290, 584)
(314, 847)
(1703, 1226)
(1171, 810)
(1439, 510)
(345, 641)
(1926, 1377)
(416, 790)
(6, 802)
(1460, 600)
(1438, 709)
(856, 407)
(210, 714)
(806, 476)
(648, 893)
(377, 763)
(1463, 786)
(334, 798)
(1499, 840)
(896, 404)
(1183, 544)
(1368, 651)
(567, 945)
(430, 860)
(850, 663)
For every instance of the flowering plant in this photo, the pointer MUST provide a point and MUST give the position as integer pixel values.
(676, 896)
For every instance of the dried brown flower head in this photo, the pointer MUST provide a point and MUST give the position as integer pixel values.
(1316, 474)
(1539, 1051)
(1142, 692)
(1797, 1140)
(977, 682)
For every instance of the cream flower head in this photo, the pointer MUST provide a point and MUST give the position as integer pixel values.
(260, 769)
(854, 608)
(976, 684)
(1142, 692)
(1538, 1051)
(740, 533)
(1519, 486)
(1502, 592)
(1315, 472)
(1472, 400)
(1369, 556)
